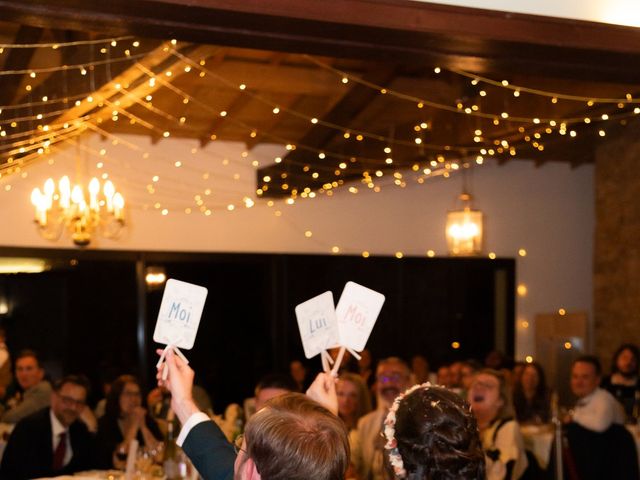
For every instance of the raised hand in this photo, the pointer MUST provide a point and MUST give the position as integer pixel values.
(323, 391)
(180, 383)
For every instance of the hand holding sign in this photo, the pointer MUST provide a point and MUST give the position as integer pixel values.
(347, 326)
(179, 317)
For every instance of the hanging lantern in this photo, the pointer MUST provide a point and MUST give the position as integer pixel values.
(464, 229)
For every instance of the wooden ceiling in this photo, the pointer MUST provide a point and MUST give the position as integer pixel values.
(337, 85)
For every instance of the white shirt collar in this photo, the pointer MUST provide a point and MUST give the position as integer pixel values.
(56, 427)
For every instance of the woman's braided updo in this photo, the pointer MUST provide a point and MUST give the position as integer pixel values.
(437, 437)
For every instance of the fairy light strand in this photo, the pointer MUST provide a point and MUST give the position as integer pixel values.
(462, 111)
(57, 45)
(544, 93)
(77, 66)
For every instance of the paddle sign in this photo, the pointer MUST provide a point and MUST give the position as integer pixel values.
(179, 315)
(178, 318)
(317, 324)
(356, 313)
(348, 326)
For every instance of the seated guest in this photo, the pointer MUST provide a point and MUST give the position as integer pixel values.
(516, 371)
(5, 364)
(365, 367)
(495, 360)
(503, 445)
(455, 371)
(298, 372)
(293, 437)
(392, 378)
(353, 399)
(159, 402)
(596, 408)
(51, 441)
(623, 382)
(600, 447)
(430, 434)
(444, 376)
(531, 397)
(420, 370)
(467, 373)
(124, 420)
(269, 386)
(35, 391)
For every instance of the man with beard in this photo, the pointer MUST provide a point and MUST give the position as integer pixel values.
(52, 441)
(392, 378)
(624, 383)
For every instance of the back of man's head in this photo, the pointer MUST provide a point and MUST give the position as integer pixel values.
(295, 438)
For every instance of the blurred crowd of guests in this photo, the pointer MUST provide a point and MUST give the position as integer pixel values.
(57, 433)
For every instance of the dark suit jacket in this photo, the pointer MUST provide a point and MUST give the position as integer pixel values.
(210, 452)
(610, 454)
(29, 452)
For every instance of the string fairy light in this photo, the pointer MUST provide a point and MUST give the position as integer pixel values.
(308, 118)
(628, 99)
(253, 128)
(78, 66)
(52, 101)
(450, 166)
(245, 125)
(459, 108)
(75, 43)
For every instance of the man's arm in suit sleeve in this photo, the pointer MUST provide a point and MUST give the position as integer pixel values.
(14, 453)
(207, 448)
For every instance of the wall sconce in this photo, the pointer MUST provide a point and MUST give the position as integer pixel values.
(155, 277)
(464, 229)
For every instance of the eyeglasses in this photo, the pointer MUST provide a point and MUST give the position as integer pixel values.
(237, 444)
(72, 402)
(392, 377)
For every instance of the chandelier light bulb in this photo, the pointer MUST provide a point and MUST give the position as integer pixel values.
(49, 187)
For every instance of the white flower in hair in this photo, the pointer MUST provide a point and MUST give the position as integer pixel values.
(391, 445)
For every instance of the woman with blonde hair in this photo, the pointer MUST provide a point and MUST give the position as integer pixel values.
(490, 400)
(353, 399)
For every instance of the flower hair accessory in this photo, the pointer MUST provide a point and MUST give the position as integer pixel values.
(395, 459)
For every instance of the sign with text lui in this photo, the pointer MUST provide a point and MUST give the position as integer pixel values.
(317, 324)
(179, 315)
(356, 313)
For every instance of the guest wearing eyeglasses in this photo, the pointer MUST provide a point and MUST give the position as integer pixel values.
(490, 401)
(52, 441)
(393, 376)
(124, 420)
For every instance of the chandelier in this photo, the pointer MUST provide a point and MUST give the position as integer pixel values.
(464, 228)
(82, 215)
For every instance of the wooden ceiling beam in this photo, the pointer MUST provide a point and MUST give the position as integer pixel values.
(398, 30)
